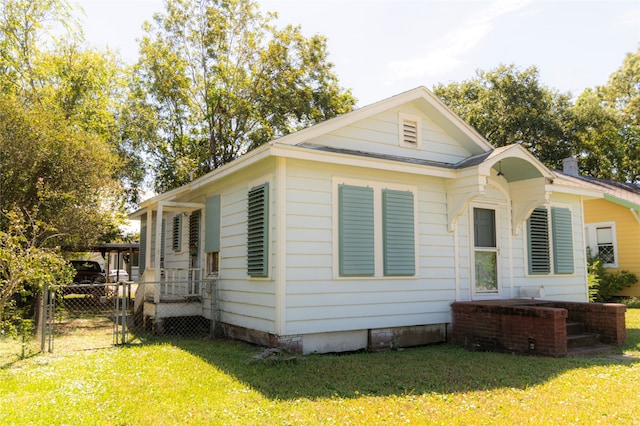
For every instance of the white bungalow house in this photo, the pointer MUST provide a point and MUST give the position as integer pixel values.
(360, 232)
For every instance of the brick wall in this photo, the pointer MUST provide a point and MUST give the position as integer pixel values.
(606, 319)
(504, 327)
(537, 327)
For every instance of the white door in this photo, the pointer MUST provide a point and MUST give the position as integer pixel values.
(485, 253)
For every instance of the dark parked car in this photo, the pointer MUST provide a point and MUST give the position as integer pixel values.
(90, 278)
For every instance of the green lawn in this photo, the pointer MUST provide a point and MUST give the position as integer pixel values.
(217, 382)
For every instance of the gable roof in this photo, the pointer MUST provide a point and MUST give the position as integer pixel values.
(516, 162)
(624, 194)
(422, 97)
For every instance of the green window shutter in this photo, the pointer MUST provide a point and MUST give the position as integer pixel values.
(176, 243)
(356, 231)
(257, 231)
(212, 224)
(538, 239)
(398, 232)
(562, 240)
(142, 257)
(194, 233)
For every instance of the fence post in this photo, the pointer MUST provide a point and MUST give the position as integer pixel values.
(42, 317)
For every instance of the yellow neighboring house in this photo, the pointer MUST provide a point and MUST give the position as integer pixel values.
(612, 223)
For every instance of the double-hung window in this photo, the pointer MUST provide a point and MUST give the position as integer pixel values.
(550, 241)
(376, 231)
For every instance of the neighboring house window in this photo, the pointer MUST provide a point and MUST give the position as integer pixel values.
(362, 210)
(176, 242)
(212, 235)
(409, 130)
(601, 240)
(257, 231)
(550, 241)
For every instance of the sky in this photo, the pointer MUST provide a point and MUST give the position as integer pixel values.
(380, 48)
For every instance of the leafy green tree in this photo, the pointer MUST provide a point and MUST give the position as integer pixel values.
(46, 162)
(508, 105)
(216, 79)
(78, 97)
(597, 135)
(27, 264)
(607, 125)
(26, 31)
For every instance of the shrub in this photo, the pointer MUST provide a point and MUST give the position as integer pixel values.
(604, 285)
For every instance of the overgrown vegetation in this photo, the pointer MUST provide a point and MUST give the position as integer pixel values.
(603, 285)
(201, 381)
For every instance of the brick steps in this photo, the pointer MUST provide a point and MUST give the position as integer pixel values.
(582, 340)
(581, 343)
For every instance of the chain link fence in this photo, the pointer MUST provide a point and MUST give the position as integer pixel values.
(94, 316)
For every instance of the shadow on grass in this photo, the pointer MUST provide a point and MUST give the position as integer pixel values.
(435, 369)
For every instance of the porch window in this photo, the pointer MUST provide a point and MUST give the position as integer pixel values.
(213, 263)
(212, 234)
(257, 231)
(376, 226)
(550, 241)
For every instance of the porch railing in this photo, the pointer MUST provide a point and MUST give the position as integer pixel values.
(181, 282)
(176, 284)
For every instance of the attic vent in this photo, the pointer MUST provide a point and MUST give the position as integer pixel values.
(409, 130)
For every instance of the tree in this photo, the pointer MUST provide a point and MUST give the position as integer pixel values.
(216, 79)
(509, 106)
(598, 141)
(61, 119)
(26, 263)
(46, 162)
(607, 123)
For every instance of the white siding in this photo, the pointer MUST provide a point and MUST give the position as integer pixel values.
(379, 134)
(316, 302)
(568, 287)
(243, 301)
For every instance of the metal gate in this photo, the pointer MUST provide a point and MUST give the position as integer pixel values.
(85, 316)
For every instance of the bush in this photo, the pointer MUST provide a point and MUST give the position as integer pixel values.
(603, 286)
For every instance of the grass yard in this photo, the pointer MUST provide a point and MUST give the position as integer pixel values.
(218, 382)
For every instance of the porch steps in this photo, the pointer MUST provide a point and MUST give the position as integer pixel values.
(581, 343)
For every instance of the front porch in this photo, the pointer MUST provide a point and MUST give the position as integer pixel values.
(538, 327)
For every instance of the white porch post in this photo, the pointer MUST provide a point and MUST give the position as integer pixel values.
(156, 249)
(147, 243)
